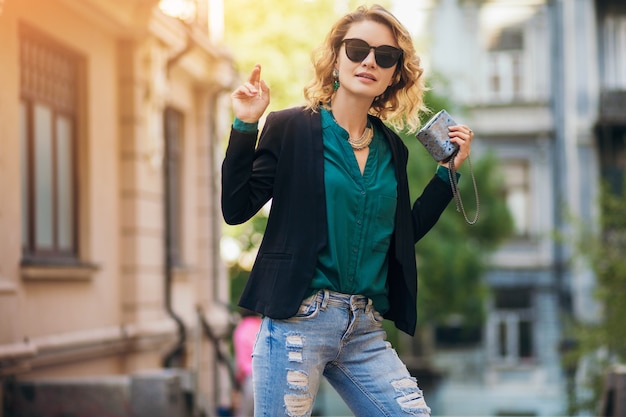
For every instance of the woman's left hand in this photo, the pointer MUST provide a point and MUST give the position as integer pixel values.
(462, 136)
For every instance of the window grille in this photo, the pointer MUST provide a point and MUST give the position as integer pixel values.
(49, 77)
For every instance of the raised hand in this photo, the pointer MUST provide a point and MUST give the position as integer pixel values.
(250, 100)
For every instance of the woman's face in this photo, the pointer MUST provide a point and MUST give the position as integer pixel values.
(365, 78)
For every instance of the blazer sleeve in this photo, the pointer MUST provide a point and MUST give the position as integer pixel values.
(429, 206)
(248, 173)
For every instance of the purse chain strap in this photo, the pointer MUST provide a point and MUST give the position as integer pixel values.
(457, 195)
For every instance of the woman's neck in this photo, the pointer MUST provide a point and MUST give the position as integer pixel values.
(351, 114)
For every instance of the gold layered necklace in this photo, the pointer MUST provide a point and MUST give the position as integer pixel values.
(363, 141)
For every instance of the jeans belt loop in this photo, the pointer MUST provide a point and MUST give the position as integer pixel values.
(325, 297)
(356, 302)
(353, 303)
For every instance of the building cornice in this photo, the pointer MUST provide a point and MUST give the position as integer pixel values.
(209, 65)
(126, 18)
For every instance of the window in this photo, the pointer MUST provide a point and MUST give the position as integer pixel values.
(505, 66)
(450, 336)
(49, 75)
(510, 326)
(613, 38)
(517, 194)
(174, 122)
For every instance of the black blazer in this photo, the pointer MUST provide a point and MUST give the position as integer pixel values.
(287, 166)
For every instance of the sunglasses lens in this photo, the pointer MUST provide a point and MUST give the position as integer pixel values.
(386, 56)
(357, 50)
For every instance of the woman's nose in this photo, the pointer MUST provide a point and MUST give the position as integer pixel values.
(370, 59)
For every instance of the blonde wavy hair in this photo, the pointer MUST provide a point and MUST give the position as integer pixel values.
(401, 103)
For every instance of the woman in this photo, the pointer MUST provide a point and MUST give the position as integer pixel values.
(338, 252)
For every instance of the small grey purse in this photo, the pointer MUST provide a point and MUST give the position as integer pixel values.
(434, 137)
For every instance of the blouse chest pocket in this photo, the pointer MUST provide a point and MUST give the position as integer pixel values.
(385, 220)
(386, 212)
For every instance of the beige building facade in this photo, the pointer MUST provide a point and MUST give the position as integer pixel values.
(111, 116)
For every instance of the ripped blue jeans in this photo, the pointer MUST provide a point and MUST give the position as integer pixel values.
(340, 337)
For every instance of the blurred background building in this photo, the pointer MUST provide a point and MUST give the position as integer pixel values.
(110, 113)
(543, 83)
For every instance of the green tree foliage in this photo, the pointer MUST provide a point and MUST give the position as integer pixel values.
(609, 264)
(601, 343)
(453, 256)
(280, 35)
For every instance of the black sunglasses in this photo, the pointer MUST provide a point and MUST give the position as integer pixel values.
(386, 56)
